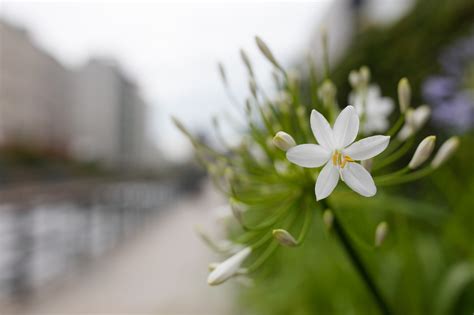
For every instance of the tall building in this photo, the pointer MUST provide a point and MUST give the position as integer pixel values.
(109, 116)
(94, 113)
(34, 93)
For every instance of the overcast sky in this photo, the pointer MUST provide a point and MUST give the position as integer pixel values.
(171, 49)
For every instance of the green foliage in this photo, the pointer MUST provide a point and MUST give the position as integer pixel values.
(410, 48)
(426, 264)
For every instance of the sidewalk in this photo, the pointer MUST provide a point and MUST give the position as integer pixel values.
(160, 272)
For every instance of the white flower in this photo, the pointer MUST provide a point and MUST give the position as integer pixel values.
(337, 150)
(228, 268)
(375, 107)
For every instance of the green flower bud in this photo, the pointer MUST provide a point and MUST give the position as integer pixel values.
(381, 233)
(267, 52)
(283, 141)
(328, 218)
(423, 152)
(284, 238)
(404, 94)
(445, 152)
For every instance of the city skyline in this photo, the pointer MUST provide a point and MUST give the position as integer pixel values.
(176, 71)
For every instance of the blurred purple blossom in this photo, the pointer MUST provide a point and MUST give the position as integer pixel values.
(452, 101)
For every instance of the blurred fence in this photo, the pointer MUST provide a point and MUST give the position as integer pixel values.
(48, 231)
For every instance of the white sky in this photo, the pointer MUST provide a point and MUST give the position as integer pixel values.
(171, 49)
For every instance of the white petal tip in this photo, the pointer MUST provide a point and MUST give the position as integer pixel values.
(212, 282)
(318, 198)
(370, 194)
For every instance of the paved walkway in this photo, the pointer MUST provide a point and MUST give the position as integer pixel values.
(163, 271)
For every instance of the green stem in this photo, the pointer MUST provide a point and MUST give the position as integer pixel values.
(379, 179)
(396, 126)
(306, 225)
(271, 248)
(408, 178)
(359, 265)
(395, 156)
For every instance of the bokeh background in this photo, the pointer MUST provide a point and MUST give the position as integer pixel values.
(100, 195)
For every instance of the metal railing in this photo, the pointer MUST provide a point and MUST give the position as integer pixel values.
(49, 231)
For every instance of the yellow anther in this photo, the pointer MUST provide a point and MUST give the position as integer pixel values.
(339, 159)
(347, 158)
(343, 163)
(335, 158)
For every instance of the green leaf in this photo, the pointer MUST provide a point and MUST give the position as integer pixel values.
(452, 285)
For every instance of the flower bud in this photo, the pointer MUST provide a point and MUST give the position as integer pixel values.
(301, 112)
(420, 116)
(253, 87)
(246, 61)
(212, 266)
(228, 268)
(222, 73)
(354, 79)
(364, 74)
(327, 92)
(284, 238)
(267, 52)
(281, 167)
(404, 94)
(445, 152)
(415, 120)
(328, 218)
(381, 233)
(283, 141)
(423, 152)
(367, 164)
(294, 78)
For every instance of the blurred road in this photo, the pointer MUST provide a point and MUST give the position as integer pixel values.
(162, 271)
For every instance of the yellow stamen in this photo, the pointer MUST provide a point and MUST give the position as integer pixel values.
(339, 159)
(343, 163)
(335, 158)
(347, 158)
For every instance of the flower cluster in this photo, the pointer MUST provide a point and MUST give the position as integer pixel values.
(452, 92)
(272, 195)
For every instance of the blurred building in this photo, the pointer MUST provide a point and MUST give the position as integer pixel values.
(94, 113)
(109, 124)
(35, 93)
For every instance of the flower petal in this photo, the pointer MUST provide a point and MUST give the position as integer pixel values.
(358, 179)
(228, 267)
(321, 130)
(327, 181)
(367, 148)
(346, 127)
(308, 155)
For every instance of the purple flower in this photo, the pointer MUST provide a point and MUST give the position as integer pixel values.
(452, 101)
(456, 112)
